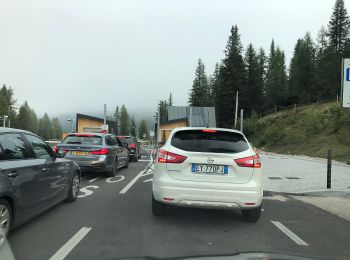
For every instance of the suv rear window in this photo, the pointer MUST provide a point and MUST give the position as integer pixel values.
(126, 140)
(80, 139)
(211, 142)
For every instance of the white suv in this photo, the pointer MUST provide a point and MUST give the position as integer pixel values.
(208, 168)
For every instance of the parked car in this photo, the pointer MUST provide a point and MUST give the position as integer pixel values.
(32, 178)
(133, 145)
(96, 152)
(208, 168)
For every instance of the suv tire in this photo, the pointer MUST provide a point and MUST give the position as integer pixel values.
(251, 215)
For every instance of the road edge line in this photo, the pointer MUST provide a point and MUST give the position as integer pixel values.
(289, 233)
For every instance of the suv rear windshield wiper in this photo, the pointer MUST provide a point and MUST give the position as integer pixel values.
(73, 142)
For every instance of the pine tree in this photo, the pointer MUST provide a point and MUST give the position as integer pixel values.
(143, 130)
(162, 106)
(170, 100)
(56, 129)
(262, 60)
(45, 130)
(200, 88)
(24, 117)
(133, 130)
(302, 75)
(276, 78)
(339, 26)
(233, 78)
(253, 88)
(214, 86)
(124, 121)
(33, 123)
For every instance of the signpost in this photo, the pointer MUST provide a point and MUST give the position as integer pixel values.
(345, 83)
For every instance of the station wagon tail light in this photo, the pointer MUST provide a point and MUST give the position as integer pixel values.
(168, 157)
(251, 162)
(102, 151)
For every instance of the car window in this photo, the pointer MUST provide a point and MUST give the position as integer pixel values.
(13, 147)
(213, 142)
(126, 140)
(40, 148)
(110, 140)
(83, 139)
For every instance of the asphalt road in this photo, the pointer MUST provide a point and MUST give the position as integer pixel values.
(113, 219)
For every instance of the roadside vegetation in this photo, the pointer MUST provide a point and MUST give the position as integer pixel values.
(306, 130)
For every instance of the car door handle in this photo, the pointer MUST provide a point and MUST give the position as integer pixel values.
(13, 174)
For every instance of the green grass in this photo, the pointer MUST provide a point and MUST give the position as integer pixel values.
(309, 130)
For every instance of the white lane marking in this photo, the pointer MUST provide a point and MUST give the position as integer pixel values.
(148, 180)
(148, 173)
(142, 160)
(94, 179)
(289, 233)
(138, 176)
(70, 244)
(128, 186)
(276, 197)
(86, 191)
(112, 179)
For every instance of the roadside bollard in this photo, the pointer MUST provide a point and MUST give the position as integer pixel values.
(329, 169)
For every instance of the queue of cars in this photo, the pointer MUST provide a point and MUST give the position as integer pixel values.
(34, 177)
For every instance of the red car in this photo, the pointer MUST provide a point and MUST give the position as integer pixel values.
(133, 145)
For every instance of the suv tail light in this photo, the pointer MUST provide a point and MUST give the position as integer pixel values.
(132, 146)
(56, 149)
(251, 162)
(102, 151)
(168, 157)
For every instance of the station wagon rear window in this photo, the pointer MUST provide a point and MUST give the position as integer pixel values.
(209, 141)
(81, 139)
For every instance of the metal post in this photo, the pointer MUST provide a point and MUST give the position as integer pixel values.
(3, 121)
(158, 126)
(329, 169)
(104, 113)
(236, 111)
(242, 120)
(190, 120)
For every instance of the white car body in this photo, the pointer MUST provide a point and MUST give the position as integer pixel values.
(176, 184)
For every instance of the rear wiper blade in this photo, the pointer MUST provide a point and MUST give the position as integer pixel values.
(222, 150)
(73, 142)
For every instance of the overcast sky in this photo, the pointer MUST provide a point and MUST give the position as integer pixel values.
(67, 56)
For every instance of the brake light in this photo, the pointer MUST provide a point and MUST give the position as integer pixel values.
(209, 131)
(168, 157)
(84, 135)
(56, 149)
(102, 151)
(132, 145)
(251, 162)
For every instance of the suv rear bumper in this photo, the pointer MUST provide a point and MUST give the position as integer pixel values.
(180, 193)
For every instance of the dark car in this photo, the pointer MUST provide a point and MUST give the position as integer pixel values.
(96, 152)
(32, 178)
(133, 146)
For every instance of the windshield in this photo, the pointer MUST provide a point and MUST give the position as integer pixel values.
(175, 128)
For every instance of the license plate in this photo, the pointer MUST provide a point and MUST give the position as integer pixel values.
(77, 153)
(209, 168)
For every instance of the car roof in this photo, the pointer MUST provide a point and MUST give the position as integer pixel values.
(203, 128)
(88, 133)
(14, 130)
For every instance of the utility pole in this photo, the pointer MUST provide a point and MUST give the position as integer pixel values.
(242, 120)
(236, 112)
(104, 114)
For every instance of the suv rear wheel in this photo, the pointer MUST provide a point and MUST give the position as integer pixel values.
(158, 209)
(251, 215)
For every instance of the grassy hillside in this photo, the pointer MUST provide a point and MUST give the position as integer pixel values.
(307, 130)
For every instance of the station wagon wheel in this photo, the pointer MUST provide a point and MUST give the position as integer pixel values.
(5, 218)
(74, 188)
(114, 170)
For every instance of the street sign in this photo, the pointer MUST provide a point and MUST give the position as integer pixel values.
(345, 83)
(104, 128)
(151, 133)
